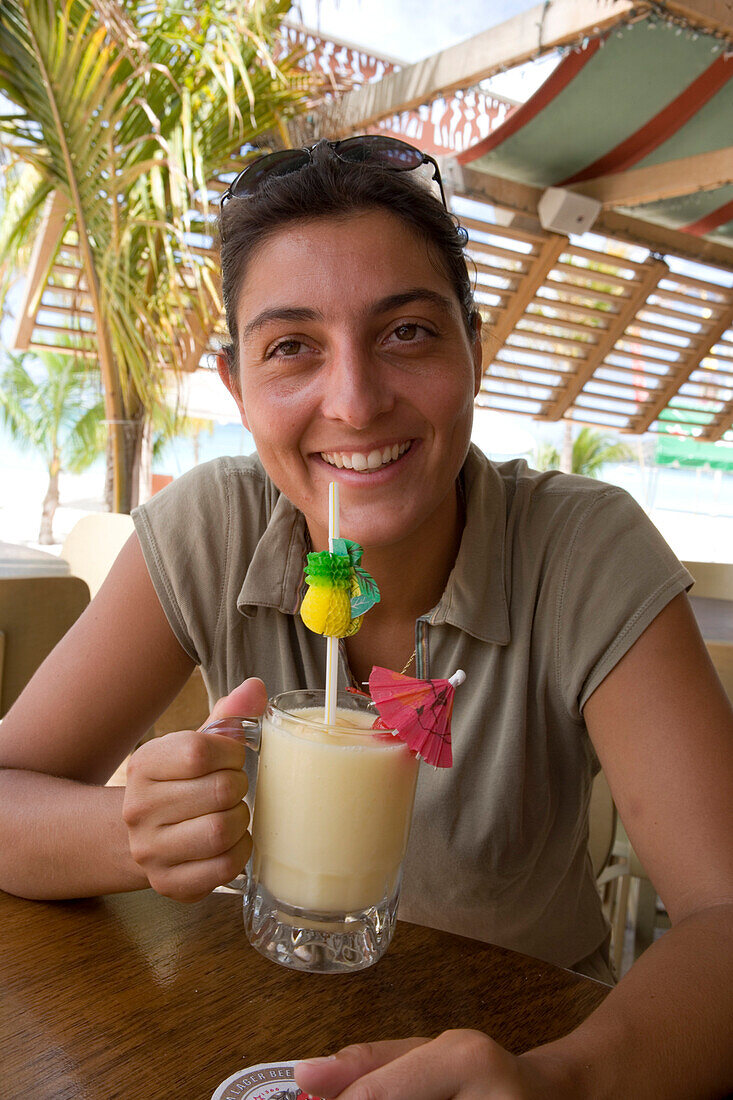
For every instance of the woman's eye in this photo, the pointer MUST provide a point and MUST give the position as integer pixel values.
(287, 348)
(410, 331)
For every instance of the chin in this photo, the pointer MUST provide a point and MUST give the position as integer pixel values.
(379, 530)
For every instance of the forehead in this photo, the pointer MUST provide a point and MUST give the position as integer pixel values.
(339, 260)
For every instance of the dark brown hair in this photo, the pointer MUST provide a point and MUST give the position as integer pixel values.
(328, 187)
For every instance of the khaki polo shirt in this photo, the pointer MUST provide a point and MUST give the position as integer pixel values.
(555, 579)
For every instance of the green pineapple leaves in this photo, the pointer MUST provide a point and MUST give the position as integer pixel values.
(368, 591)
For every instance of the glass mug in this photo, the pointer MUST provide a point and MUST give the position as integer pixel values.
(332, 812)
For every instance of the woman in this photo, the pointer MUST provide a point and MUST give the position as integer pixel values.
(356, 355)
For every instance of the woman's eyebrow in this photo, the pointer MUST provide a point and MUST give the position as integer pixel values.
(280, 313)
(415, 294)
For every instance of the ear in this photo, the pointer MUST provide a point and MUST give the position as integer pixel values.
(231, 383)
(478, 353)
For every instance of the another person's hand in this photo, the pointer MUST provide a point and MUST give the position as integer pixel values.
(458, 1065)
(183, 807)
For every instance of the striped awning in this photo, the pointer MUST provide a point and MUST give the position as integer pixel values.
(639, 116)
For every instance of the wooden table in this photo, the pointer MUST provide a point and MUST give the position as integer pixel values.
(135, 996)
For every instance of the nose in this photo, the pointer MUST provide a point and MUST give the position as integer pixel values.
(356, 388)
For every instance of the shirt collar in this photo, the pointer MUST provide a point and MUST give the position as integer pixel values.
(275, 574)
(474, 599)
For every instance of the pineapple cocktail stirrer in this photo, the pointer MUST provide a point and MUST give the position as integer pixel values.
(339, 593)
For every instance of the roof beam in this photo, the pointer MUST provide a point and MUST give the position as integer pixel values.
(522, 38)
(703, 172)
(629, 307)
(698, 349)
(720, 424)
(716, 15)
(524, 198)
(540, 266)
(45, 247)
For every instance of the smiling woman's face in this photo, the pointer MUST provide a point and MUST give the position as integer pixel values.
(355, 366)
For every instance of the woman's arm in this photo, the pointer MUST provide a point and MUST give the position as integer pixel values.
(663, 729)
(62, 832)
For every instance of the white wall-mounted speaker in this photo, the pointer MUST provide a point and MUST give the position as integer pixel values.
(563, 211)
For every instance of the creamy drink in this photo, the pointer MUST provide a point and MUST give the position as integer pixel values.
(331, 819)
(332, 810)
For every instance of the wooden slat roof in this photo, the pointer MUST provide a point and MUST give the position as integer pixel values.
(601, 331)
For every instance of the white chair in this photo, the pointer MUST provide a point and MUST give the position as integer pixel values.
(713, 580)
(93, 544)
(721, 654)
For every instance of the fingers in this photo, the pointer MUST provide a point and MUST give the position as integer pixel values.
(195, 879)
(465, 1065)
(204, 837)
(249, 699)
(181, 799)
(329, 1077)
(187, 754)
(183, 806)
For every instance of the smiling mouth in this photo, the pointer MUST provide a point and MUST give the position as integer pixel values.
(366, 463)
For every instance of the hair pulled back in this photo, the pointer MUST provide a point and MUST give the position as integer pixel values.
(328, 187)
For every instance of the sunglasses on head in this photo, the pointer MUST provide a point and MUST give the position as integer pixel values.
(387, 152)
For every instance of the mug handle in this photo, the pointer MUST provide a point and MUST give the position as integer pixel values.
(249, 732)
(246, 730)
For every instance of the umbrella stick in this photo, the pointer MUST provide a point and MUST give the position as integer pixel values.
(332, 644)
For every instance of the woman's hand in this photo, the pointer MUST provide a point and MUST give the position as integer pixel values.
(184, 810)
(458, 1064)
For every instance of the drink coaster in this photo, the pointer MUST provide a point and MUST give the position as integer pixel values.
(268, 1081)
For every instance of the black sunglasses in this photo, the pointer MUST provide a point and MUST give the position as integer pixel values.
(387, 152)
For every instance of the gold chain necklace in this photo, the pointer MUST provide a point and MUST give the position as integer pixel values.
(412, 658)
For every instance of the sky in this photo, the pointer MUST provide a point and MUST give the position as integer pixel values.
(409, 30)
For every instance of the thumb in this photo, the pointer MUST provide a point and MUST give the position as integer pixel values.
(247, 700)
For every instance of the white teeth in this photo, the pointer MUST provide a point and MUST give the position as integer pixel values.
(374, 460)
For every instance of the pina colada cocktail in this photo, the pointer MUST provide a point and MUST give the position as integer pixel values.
(333, 809)
(331, 820)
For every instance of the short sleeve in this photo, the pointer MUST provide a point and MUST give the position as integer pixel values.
(619, 573)
(185, 532)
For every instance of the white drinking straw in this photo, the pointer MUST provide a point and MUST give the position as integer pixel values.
(332, 644)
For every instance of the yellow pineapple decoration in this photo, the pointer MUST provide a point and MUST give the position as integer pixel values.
(339, 590)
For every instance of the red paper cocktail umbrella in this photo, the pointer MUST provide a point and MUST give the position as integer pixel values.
(419, 710)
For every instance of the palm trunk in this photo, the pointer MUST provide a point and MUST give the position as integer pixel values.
(50, 504)
(132, 459)
(109, 477)
(124, 456)
(145, 466)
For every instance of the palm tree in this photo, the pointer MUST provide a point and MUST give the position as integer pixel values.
(53, 408)
(124, 111)
(591, 451)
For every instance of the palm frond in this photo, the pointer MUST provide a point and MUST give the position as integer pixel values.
(130, 109)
